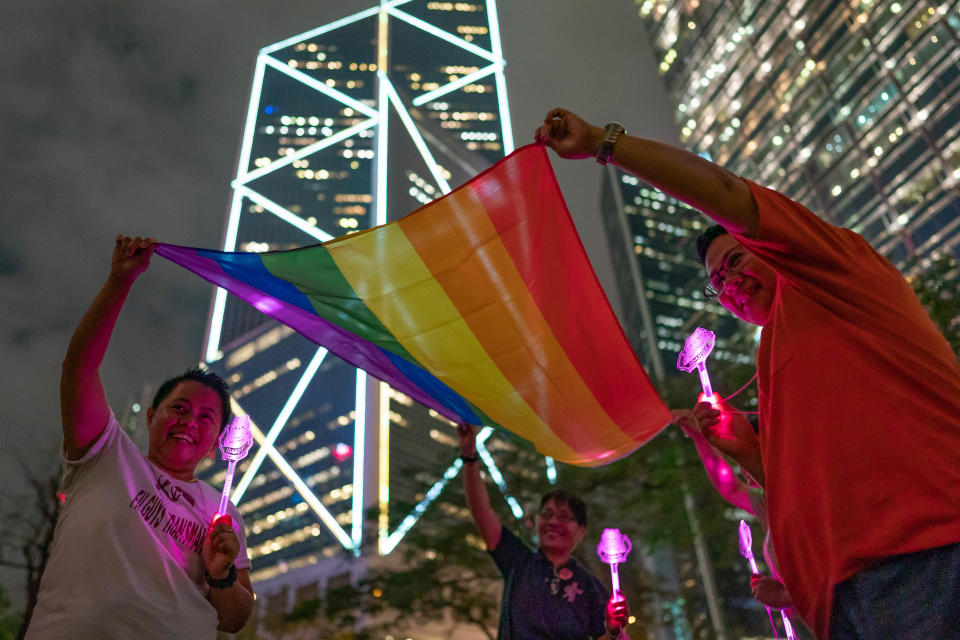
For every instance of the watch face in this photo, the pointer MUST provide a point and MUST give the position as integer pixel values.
(614, 129)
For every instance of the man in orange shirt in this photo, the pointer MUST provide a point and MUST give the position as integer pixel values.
(859, 397)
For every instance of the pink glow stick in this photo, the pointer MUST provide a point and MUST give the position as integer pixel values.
(613, 549)
(746, 550)
(746, 546)
(696, 349)
(787, 626)
(235, 443)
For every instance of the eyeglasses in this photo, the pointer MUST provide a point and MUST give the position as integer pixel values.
(717, 282)
(562, 516)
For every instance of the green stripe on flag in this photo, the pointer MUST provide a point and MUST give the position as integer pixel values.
(315, 274)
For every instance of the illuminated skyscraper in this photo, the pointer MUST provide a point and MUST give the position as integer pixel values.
(658, 277)
(349, 125)
(852, 108)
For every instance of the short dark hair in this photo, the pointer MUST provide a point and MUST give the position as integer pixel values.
(202, 376)
(705, 239)
(562, 496)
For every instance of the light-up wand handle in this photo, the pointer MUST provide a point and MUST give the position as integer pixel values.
(227, 485)
(705, 380)
(698, 346)
(787, 626)
(746, 546)
(235, 443)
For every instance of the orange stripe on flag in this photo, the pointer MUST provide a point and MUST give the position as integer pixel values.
(476, 272)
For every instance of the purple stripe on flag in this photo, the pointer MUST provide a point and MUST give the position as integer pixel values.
(358, 352)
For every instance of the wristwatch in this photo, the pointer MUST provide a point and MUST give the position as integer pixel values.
(612, 133)
(468, 459)
(222, 583)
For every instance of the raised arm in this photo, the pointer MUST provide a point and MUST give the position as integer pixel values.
(83, 404)
(478, 501)
(703, 185)
(730, 487)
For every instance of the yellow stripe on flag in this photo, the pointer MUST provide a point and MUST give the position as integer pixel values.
(384, 269)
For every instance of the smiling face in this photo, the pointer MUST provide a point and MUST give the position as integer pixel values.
(184, 428)
(748, 284)
(558, 529)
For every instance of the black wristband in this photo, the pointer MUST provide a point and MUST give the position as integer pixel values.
(469, 459)
(222, 583)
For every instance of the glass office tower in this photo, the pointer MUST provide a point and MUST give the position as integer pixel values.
(652, 245)
(851, 108)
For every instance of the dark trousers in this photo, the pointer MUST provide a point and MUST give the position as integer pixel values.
(914, 596)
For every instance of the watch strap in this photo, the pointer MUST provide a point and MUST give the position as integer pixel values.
(612, 133)
(222, 583)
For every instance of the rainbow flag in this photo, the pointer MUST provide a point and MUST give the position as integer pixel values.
(481, 305)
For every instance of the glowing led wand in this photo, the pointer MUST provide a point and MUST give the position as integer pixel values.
(746, 550)
(613, 549)
(694, 356)
(746, 546)
(235, 443)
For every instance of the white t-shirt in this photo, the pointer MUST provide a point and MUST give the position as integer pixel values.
(126, 556)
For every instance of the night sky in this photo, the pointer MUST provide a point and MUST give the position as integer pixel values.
(124, 116)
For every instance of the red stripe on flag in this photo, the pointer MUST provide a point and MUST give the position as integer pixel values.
(538, 245)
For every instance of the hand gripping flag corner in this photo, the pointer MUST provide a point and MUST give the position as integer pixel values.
(481, 305)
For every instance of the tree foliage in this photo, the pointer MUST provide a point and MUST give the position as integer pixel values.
(438, 574)
(335, 616)
(935, 282)
(10, 620)
(27, 524)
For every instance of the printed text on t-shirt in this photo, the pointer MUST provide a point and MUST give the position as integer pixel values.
(188, 533)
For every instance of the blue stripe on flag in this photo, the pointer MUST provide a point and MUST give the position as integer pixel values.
(249, 269)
